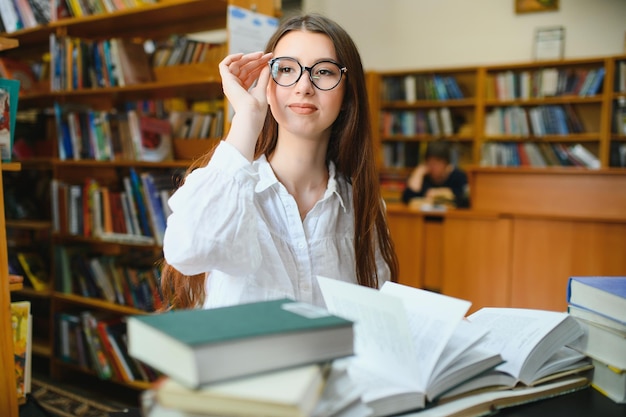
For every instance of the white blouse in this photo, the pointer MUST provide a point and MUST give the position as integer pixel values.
(236, 222)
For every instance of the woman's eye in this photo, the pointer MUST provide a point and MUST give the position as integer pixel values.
(325, 72)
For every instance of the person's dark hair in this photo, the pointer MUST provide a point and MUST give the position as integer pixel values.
(439, 149)
(350, 149)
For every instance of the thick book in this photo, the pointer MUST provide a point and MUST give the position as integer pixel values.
(610, 381)
(599, 319)
(133, 60)
(21, 324)
(9, 91)
(604, 295)
(197, 347)
(602, 343)
(322, 390)
(290, 392)
(412, 345)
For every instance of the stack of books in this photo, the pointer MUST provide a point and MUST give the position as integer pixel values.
(599, 304)
(369, 353)
(270, 358)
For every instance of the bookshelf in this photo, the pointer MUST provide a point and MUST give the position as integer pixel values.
(531, 114)
(414, 107)
(28, 232)
(8, 395)
(188, 82)
(617, 115)
(537, 113)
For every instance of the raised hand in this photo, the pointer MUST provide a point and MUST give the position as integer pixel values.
(244, 81)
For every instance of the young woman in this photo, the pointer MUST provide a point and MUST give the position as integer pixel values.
(292, 191)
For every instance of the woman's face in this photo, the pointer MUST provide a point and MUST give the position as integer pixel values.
(302, 109)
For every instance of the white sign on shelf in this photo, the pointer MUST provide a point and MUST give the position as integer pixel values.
(248, 31)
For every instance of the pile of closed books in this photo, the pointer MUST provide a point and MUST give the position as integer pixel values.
(599, 304)
(272, 358)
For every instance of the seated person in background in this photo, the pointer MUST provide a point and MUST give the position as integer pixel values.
(436, 181)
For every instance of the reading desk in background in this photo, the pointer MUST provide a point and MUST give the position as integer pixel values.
(502, 251)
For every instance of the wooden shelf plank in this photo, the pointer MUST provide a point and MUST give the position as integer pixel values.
(8, 43)
(96, 303)
(29, 224)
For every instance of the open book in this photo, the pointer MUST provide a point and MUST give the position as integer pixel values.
(411, 345)
(414, 347)
(533, 344)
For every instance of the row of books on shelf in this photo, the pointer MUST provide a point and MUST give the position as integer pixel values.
(202, 122)
(134, 132)
(438, 122)
(25, 14)
(408, 154)
(599, 304)
(533, 121)
(77, 64)
(97, 342)
(78, 8)
(188, 49)
(309, 361)
(537, 154)
(545, 82)
(134, 211)
(414, 87)
(116, 279)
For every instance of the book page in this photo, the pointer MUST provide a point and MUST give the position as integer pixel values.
(466, 335)
(382, 337)
(433, 318)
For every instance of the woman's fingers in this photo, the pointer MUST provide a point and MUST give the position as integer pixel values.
(249, 71)
(244, 67)
(239, 72)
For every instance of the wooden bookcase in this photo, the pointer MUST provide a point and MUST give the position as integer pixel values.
(8, 392)
(617, 116)
(554, 95)
(505, 110)
(192, 82)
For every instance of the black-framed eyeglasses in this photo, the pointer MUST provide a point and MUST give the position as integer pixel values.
(324, 75)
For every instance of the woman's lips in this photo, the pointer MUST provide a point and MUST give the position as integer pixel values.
(302, 108)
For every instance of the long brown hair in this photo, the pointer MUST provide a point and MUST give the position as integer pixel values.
(351, 149)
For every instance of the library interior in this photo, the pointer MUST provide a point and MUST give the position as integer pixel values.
(499, 140)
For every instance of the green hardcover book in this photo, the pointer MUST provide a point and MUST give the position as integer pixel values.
(197, 347)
